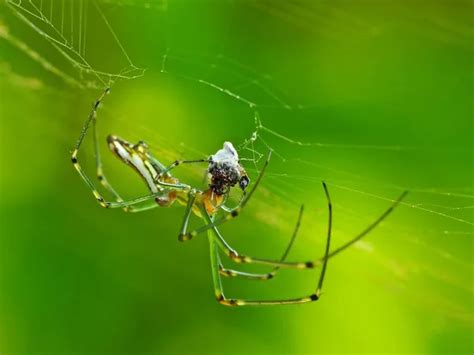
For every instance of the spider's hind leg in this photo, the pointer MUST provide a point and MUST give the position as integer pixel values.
(269, 275)
(218, 288)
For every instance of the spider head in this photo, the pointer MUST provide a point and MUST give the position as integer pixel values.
(225, 171)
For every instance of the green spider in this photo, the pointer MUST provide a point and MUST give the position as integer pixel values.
(224, 172)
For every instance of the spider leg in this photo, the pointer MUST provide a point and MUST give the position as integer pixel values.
(277, 264)
(366, 231)
(234, 212)
(246, 275)
(127, 203)
(98, 162)
(310, 264)
(179, 162)
(236, 257)
(100, 199)
(219, 291)
(92, 117)
(228, 209)
(235, 273)
(145, 207)
(187, 213)
(103, 179)
(216, 278)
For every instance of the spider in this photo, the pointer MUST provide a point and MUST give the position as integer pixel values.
(224, 172)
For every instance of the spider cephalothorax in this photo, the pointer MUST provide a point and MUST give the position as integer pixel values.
(225, 170)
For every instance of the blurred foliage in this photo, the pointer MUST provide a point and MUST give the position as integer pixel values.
(383, 87)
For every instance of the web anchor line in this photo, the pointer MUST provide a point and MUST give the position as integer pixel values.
(65, 27)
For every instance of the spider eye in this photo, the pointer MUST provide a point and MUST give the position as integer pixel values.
(244, 182)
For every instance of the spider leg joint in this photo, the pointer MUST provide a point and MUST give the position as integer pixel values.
(185, 237)
(238, 258)
(227, 302)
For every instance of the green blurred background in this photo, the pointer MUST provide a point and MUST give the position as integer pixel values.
(384, 88)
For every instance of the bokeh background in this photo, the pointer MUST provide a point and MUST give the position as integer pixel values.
(374, 97)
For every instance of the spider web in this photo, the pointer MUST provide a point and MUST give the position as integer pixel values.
(292, 174)
(434, 218)
(71, 27)
(65, 26)
(241, 79)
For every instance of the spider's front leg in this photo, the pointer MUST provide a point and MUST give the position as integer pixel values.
(98, 196)
(177, 163)
(92, 118)
(100, 171)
